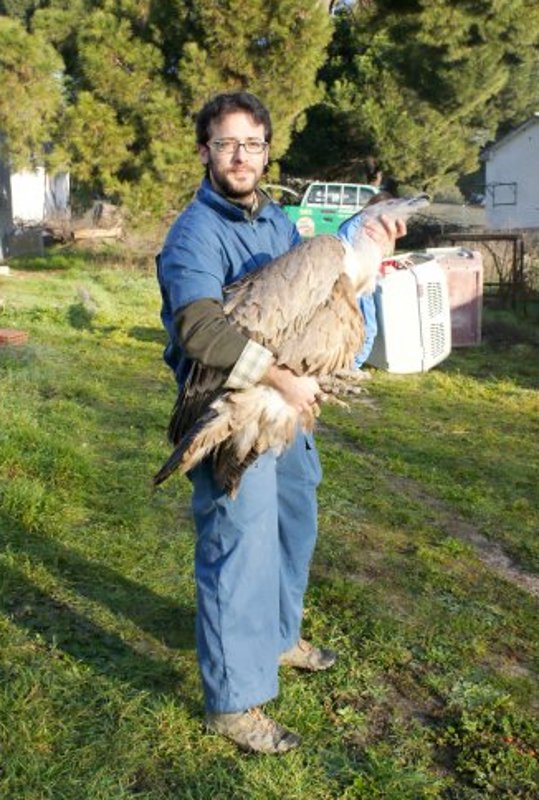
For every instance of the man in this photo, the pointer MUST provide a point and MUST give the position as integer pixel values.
(253, 552)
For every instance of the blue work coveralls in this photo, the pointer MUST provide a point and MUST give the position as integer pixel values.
(253, 552)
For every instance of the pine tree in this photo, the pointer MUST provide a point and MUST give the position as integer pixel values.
(137, 71)
(126, 136)
(18, 9)
(423, 85)
(273, 48)
(31, 93)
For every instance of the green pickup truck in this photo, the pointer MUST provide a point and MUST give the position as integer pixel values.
(325, 206)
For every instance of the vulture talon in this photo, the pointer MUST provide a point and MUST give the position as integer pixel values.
(353, 375)
(333, 400)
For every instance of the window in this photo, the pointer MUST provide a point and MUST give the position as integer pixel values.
(317, 194)
(334, 194)
(504, 194)
(345, 196)
(349, 196)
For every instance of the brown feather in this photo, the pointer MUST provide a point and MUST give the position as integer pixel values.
(303, 308)
(298, 283)
(335, 333)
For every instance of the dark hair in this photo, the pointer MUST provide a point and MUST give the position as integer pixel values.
(227, 103)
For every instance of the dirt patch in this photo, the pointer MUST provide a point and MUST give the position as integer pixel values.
(488, 552)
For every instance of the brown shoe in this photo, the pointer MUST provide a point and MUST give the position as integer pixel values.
(306, 656)
(253, 731)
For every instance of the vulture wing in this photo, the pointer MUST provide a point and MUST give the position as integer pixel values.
(278, 301)
(276, 307)
(302, 307)
(332, 336)
(272, 305)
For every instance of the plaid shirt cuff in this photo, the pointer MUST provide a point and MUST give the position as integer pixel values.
(250, 367)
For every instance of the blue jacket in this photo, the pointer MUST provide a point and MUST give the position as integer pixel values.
(210, 245)
(366, 302)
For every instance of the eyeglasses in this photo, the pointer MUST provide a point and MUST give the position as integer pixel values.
(229, 146)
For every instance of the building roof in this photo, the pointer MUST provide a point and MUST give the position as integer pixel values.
(529, 123)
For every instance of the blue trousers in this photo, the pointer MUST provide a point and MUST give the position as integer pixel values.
(251, 567)
(367, 307)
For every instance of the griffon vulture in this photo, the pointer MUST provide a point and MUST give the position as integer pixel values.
(303, 307)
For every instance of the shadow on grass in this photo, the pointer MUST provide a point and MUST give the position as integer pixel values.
(148, 334)
(159, 616)
(65, 629)
(58, 262)
(69, 256)
(79, 317)
(509, 350)
(222, 776)
(517, 367)
(63, 626)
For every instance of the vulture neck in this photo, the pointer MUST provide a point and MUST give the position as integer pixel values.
(361, 264)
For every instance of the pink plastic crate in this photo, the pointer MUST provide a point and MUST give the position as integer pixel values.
(464, 272)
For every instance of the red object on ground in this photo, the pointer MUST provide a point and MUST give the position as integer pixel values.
(12, 336)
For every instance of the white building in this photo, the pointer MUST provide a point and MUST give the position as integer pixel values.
(30, 198)
(512, 178)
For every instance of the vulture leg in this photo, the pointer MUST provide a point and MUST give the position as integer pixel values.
(332, 400)
(332, 385)
(353, 375)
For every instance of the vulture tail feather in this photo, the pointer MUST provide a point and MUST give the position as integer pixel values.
(202, 386)
(210, 430)
(175, 421)
(228, 469)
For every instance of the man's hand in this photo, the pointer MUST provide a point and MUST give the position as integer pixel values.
(385, 232)
(299, 392)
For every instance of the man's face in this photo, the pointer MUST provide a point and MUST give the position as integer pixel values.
(235, 174)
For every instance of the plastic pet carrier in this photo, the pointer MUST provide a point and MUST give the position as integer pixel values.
(413, 313)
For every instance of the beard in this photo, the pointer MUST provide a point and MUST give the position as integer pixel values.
(238, 183)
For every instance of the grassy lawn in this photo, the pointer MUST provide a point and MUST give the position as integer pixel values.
(426, 576)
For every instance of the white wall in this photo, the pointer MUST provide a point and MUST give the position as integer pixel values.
(28, 195)
(514, 162)
(36, 196)
(30, 198)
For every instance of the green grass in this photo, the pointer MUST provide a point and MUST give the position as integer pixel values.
(435, 693)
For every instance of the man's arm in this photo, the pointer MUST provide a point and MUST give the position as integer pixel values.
(207, 336)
